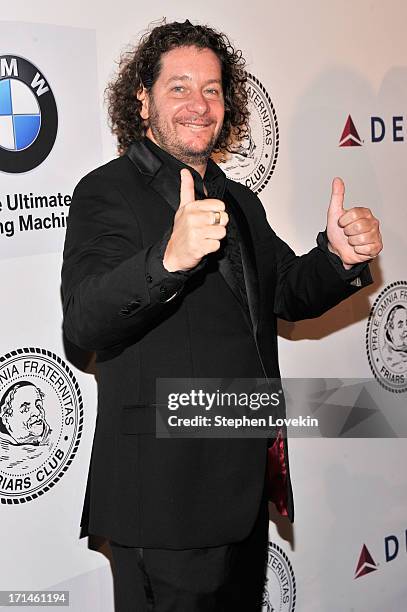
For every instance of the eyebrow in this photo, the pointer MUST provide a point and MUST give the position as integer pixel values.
(186, 77)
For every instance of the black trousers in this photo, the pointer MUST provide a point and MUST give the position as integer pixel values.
(227, 578)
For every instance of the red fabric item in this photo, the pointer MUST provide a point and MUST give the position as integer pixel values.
(277, 475)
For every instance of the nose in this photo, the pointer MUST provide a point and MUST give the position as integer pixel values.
(197, 103)
(35, 411)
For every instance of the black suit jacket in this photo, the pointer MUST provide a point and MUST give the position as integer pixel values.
(174, 493)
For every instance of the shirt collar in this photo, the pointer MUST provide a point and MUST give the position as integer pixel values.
(214, 178)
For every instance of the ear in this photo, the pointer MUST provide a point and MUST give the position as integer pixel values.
(142, 95)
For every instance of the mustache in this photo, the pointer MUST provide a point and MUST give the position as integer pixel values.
(34, 421)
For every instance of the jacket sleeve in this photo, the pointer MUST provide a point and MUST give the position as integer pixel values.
(108, 289)
(310, 284)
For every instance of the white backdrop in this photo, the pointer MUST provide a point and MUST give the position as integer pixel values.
(319, 63)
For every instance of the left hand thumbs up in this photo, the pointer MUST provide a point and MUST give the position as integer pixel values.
(353, 234)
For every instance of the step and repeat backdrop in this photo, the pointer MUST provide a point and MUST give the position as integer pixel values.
(328, 96)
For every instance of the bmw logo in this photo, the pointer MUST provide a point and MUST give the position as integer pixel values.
(28, 115)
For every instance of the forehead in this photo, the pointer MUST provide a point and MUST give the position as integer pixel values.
(400, 315)
(190, 61)
(26, 394)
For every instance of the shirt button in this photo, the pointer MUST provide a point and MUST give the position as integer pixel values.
(149, 278)
(134, 304)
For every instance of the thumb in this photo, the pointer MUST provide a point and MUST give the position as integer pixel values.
(336, 210)
(187, 191)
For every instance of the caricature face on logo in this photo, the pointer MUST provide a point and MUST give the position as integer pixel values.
(22, 415)
(396, 328)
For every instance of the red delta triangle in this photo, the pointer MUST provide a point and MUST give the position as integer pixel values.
(365, 564)
(350, 136)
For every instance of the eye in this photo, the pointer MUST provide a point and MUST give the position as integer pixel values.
(178, 89)
(212, 91)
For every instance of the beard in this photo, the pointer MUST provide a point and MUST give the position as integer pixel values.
(169, 140)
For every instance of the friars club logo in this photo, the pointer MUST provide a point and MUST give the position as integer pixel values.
(253, 159)
(28, 115)
(40, 423)
(280, 590)
(386, 337)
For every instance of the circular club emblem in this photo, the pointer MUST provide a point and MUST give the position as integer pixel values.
(28, 115)
(386, 337)
(40, 423)
(280, 591)
(252, 161)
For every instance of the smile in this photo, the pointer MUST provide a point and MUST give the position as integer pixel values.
(196, 126)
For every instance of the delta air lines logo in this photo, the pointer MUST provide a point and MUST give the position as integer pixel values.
(28, 115)
(350, 136)
(365, 564)
(41, 419)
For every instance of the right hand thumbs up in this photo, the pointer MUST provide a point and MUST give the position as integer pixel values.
(187, 191)
(199, 226)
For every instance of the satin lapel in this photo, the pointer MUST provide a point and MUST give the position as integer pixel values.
(164, 182)
(226, 271)
(248, 260)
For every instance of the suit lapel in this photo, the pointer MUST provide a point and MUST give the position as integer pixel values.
(248, 260)
(160, 178)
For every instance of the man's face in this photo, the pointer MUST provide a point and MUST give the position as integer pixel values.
(185, 107)
(398, 330)
(28, 414)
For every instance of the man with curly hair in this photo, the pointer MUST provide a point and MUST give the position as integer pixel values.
(171, 270)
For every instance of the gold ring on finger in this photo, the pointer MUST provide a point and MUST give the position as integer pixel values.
(216, 218)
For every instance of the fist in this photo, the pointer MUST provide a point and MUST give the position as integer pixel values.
(353, 234)
(196, 231)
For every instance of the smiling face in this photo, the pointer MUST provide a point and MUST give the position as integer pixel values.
(185, 108)
(26, 418)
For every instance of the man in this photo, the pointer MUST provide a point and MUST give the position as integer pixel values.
(172, 271)
(22, 415)
(395, 339)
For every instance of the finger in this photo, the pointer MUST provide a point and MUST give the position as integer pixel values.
(360, 257)
(199, 218)
(362, 226)
(211, 217)
(212, 245)
(337, 196)
(365, 238)
(211, 204)
(215, 232)
(367, 249)
(354, 214)
(187, 191)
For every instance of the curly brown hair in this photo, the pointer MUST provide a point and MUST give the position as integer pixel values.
(140, 67)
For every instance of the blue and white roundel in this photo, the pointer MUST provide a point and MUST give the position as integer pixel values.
(20, 115)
